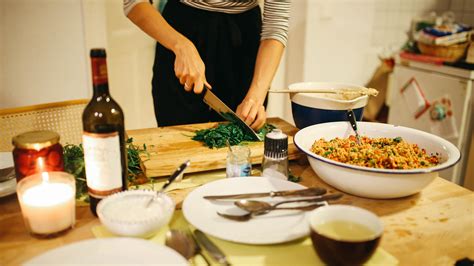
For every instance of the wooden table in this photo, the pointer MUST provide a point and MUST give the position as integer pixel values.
(434, 227)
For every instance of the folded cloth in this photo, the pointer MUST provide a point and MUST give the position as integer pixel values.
(292, 253)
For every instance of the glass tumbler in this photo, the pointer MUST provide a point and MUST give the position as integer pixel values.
(48, 203)
(238, 161)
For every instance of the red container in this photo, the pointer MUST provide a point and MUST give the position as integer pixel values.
(37, 151)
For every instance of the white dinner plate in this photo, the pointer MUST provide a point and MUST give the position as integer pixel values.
(272, 228)
(7, 187)
(111, 251)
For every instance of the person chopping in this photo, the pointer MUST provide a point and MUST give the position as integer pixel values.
(225, 45)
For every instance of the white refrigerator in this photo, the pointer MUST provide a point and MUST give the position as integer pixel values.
(435, 99)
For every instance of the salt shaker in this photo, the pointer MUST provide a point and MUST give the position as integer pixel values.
(275, 155)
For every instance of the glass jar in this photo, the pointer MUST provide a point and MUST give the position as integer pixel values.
(37, 151)
(238, 161)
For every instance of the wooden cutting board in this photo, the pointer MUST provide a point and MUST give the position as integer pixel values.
(168, 147)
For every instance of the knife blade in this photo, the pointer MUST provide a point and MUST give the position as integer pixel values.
(215, 252)
(223, 110)
(316, 191)
(7, 174)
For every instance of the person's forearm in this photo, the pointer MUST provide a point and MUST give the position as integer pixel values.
(148, 19)
(188, 65)
(268, 58)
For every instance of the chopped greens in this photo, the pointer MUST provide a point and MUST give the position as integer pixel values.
(74, 164)
(217, 137)
(293, 178)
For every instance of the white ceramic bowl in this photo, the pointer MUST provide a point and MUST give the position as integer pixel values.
(126, 214)
(316, 108)
(373, 182)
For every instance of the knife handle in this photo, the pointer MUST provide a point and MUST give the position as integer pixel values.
(352, 119)
(211, 248)
(334, 196)
(176, 173)
(314, 191)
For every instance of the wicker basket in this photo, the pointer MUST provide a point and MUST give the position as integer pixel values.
(451, 53)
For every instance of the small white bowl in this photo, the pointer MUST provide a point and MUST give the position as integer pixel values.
(126, 214)
(374, 182)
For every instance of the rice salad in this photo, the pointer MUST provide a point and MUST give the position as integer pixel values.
(385, 153)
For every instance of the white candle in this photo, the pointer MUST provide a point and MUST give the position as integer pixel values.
(47, 202)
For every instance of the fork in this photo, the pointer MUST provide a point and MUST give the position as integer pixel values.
(250, 215)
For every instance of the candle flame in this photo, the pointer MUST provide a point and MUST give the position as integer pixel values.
(45, 176)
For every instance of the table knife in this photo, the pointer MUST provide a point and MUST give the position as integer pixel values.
(7, 174)
(211, 248)
(223, 110)
(285, 193)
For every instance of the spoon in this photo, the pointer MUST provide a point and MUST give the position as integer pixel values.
(184, 244)
(352, 119)
(170, 180)
(250, 215)
(257, 206)
(344, 91)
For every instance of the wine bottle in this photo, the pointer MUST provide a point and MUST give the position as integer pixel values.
(103, 137)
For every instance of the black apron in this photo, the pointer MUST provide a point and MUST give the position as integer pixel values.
(228, 45)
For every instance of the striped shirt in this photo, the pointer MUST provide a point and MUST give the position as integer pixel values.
(276, 13)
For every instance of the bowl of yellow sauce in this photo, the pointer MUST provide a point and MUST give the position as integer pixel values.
(344, 235)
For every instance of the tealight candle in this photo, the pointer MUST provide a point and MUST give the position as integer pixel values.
(47, 202)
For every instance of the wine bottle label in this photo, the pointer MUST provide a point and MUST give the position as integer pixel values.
(103, 165)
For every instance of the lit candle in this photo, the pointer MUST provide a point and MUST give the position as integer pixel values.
(47, 202)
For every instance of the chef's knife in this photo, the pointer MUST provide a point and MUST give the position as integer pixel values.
(223, 110)
(284, 193)
(211, 248)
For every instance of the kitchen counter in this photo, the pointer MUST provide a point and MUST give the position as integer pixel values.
(434, 227)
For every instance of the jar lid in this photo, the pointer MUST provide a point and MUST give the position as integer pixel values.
(36, 140)
(276, 144)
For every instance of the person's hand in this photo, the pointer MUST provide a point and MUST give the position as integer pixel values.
(252, 112)
(189, 67)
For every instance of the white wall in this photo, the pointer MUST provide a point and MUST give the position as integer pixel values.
(131, 55)
(464, 10)
(42, 52)
(338, 40)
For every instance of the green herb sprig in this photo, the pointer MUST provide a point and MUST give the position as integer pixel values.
(293, 178)
(217, 137)
(133, 157)
(74, 164)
